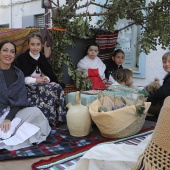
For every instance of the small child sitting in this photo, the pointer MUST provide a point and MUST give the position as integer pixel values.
(123, 77)
(93, 67)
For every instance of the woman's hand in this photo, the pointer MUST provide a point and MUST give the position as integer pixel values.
(5, 125)
(44, 79)
(39, 80)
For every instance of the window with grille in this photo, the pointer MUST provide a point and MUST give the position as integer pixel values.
(35, 21)
(40, 21)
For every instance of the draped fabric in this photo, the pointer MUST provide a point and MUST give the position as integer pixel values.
(15, 94)
(18, 36)
(107, 42)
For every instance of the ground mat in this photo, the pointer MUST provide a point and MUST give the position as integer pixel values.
(58, 142)
(63, 161)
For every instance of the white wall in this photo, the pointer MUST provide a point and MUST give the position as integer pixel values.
(4, 12)
(153, 67)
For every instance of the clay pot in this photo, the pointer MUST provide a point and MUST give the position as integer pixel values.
(78, 118)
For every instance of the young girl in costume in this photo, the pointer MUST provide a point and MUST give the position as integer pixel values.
(114, 63)
(92, 65)
(42, 83)
(20, 125)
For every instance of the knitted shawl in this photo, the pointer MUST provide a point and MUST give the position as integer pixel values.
(15, 94)
(157, 154)
(27, 65)
(87, 63)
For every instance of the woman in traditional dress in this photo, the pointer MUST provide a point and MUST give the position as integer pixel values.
(20, 125)
(44, 90)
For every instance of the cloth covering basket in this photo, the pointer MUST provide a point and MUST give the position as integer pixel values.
(118, 123)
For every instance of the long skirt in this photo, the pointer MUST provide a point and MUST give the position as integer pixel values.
(50, 99)
(32, 128)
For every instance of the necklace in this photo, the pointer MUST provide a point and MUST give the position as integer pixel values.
(37, 70)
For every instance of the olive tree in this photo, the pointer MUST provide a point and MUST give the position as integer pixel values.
(153, 19)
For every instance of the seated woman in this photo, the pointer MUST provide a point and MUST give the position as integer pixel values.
(44, 90)
(93, 66)
(20, 125)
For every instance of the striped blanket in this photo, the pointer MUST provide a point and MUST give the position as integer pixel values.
(107, 43)
(18, 36)
(62, 162)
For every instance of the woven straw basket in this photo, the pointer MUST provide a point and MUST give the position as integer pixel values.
(118, 123)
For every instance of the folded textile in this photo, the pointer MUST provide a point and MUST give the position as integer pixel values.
(111, 156)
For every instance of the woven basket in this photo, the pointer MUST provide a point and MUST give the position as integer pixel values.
(118, 123)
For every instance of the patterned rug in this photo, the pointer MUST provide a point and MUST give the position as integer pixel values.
(58, 142)
(63, 161)
(107, 43)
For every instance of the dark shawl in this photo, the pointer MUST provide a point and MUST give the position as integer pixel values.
(28, 65)
(111, 67)
(161, 93)
(15, 94)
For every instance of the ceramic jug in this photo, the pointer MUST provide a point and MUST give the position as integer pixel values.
(78, 118)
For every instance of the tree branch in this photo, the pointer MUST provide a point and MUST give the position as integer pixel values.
(65, 12)
(114, 12)
(103, 6)
(106, 2)
(127, 26)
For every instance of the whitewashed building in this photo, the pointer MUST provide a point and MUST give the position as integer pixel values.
(25, 13)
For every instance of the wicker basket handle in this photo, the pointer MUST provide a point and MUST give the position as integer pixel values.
(138, 97)
(78, 97)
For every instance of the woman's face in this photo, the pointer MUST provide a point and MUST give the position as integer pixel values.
(119, 58)
(7, 55)
(92, 52)
(166, 64)
(35, 45)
